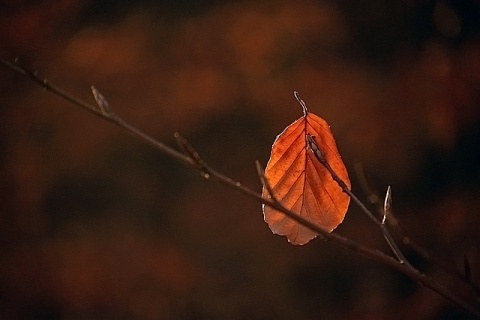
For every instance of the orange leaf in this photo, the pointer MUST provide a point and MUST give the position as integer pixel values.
(301, 183)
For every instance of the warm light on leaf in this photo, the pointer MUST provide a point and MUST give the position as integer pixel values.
(301, 183)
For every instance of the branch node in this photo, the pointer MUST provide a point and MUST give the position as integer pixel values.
(193, 155)
(390, 241)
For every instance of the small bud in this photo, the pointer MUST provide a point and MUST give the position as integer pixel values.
(101, 101)
(387, 204)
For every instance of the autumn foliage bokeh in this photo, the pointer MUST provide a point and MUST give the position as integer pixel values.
(95, 224)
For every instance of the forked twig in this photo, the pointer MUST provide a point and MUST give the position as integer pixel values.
(192, 160)
(395, 225)
(388, 237)
(190, 152)
(392, 220)
(321, 158)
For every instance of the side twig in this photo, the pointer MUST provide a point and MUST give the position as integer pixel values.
(392, 221)
(390, 241)
(264, 181)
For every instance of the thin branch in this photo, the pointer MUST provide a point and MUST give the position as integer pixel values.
(406, 239)
(193, 162)
(388, 237)
(110, 117)
(392, 219)
(375, 255)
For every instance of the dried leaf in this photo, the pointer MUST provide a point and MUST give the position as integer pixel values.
(301, 183)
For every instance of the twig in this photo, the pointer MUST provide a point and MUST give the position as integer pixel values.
(392, 220)
(193, 162)
(377, 256)
(264, 181)
(320, 157)
(406, 239)
(190, 152)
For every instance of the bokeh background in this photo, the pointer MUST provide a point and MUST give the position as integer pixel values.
(97, 225)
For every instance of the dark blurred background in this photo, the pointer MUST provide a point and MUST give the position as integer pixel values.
(97, 225)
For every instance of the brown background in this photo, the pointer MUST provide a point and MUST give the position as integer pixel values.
(96, 225)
